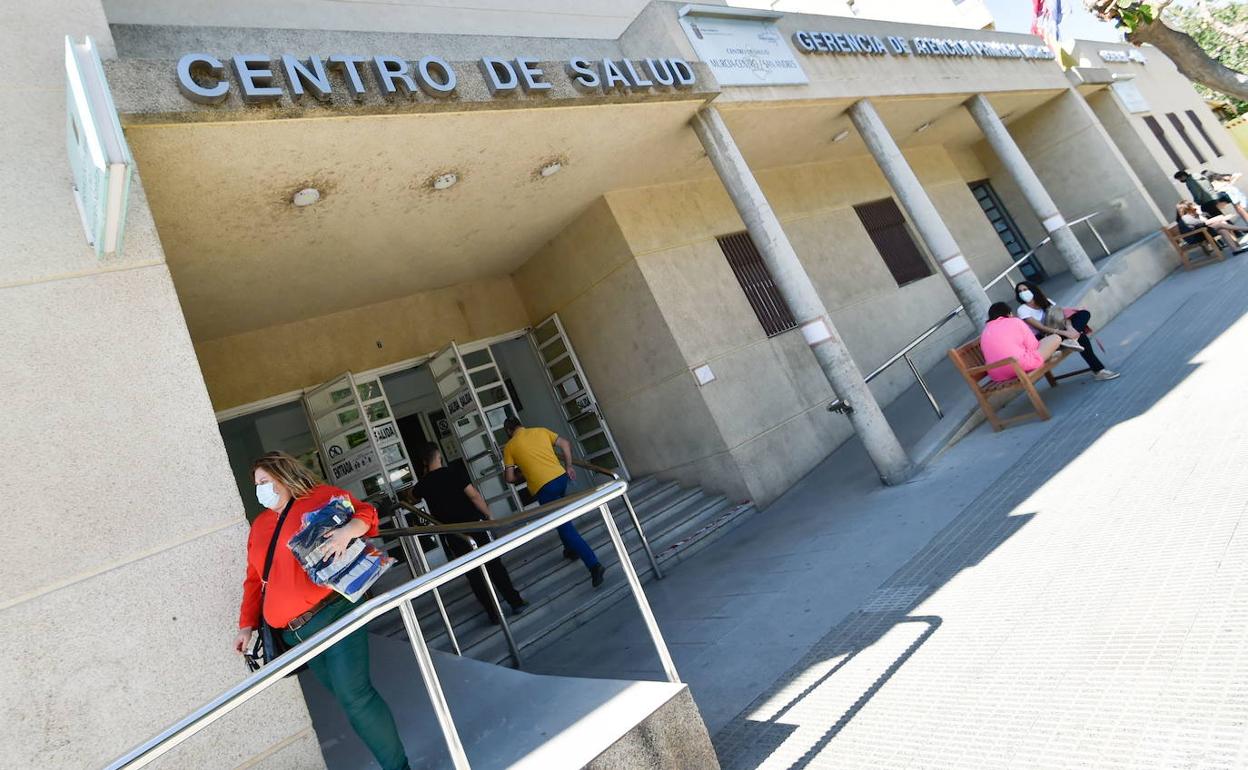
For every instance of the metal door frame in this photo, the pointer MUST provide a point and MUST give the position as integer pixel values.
(577, 371)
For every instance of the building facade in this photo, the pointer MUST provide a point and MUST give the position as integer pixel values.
(573, 215)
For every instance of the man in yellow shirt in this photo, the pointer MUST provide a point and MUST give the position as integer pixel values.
(532, 452)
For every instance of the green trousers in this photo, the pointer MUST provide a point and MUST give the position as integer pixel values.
(343, 670)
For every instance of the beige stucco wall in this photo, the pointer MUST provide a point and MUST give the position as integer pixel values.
(1140, 153)
(768, 397)
(589, 275)
(254, 365)
(1083, 170)
(123, 580)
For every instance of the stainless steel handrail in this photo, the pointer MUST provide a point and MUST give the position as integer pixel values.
(414, 541)
(400, 598)
(632, 514)
(837, 405)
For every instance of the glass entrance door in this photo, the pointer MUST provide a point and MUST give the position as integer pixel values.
(475, 402)
(1007, 230)
(357, 437)
(589, 428)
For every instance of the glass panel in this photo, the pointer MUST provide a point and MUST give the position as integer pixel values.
(571, 386)
(369, 390)
(586, 423)
(329, 399)
(596, 443)
(476, 445)
(392, 454)
(607, 460)
(401, 477)
(500, 437)
(478, 358)
(492, 396)
(451, 384)
(482, 466)
(377, 411)
(492, 486)
(485, 377)
(374, 485)
(467, 425)
(545, 331)
(498, 416)
(554, 350)
(575, 407)
(441, 364)
(502, 507)
(336, 421)
(561, 369)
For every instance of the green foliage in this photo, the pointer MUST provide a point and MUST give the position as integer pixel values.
(1221, 44)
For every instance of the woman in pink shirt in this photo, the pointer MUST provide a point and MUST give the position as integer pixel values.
(1008, 337)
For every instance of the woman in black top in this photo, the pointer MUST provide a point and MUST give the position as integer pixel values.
(452, 499)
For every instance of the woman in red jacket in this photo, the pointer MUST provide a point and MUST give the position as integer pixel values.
(299, 608)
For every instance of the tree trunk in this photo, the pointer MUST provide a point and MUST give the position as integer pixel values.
(1191, 59)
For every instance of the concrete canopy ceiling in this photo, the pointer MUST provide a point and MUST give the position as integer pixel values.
(788, 133)
(244, 258)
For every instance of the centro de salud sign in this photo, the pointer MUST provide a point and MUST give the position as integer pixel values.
(202, 77)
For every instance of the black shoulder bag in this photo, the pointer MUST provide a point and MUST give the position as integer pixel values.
(269, 642)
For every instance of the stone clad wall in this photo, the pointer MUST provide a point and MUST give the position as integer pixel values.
(122, 588)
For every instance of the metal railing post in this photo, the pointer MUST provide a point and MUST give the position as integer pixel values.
(634, 583)
(645, 541)
(437, 599)
(931, 399)
(498, 608)
(1097, 236)
(437, 698)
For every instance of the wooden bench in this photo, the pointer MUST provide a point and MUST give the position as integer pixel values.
(969, 360)
(1198, 238)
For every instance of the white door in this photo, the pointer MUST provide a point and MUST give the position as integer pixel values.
(476, 403)
(589, 428)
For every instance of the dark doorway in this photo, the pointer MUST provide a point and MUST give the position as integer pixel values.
(1007, 231)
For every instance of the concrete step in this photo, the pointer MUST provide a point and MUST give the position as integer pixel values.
(562, 598)
(552, 574)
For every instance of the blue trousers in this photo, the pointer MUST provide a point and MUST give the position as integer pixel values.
(551, 491)
(343, 669)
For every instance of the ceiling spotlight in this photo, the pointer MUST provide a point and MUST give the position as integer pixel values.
(445, 181)
(550, 169)
(923, 127)
(306, 197)
(842, 136)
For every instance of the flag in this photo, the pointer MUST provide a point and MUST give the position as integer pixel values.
(1046, 21)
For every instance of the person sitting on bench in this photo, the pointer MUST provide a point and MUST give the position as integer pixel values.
(1006, 336)
(1045, 316)
(1189, 217)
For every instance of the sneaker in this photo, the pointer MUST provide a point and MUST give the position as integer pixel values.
(596, 573)
(1106, 374)
(518, 607)
(1073, 345)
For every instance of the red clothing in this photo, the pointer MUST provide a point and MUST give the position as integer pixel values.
(1010, 337)
(291, 592)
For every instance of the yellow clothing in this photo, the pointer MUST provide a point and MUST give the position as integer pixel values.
(533, 449)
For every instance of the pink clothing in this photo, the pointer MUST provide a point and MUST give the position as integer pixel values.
(1010, 338)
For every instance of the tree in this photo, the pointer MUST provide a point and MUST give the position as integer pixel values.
(1206, 42)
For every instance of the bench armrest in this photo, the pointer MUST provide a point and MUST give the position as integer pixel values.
(1011, 362)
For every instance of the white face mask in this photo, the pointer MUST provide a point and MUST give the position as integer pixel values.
(1026, 296)
(266, 495)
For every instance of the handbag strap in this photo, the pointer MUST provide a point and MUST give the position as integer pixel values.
(268, 557)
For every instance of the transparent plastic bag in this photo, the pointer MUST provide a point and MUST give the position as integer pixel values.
(351, 573)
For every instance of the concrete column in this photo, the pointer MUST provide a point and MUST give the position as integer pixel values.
(799, 292)
(1041, 202)
(923, 213)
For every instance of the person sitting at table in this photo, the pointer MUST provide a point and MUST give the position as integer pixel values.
(1006, 336)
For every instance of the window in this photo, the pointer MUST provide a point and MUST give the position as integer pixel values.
(1200, 127)
(891, 235)
(756, 281)
(1160, 133)
(1182, 129)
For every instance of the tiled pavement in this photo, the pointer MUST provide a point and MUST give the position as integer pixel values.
(1088, 610)
(1071, 593)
